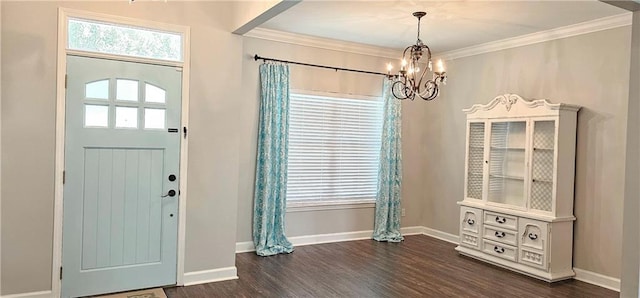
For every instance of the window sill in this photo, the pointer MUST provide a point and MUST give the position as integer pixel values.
(298, 206)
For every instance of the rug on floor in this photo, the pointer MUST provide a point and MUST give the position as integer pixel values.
(148, 293)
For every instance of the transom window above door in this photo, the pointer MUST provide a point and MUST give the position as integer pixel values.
(124, 104)
(124, 40)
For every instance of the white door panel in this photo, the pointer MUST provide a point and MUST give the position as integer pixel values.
(119, 228)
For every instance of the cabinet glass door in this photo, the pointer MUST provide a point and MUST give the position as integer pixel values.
(542, 165)
(475, 160)
(507, 163)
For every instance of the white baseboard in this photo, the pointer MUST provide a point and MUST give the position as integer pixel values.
(329, 238)
(444, 236)
(207, 276)
(190, 279)
(40, 294)
(597, 279)
(247, 246)
(408, 231)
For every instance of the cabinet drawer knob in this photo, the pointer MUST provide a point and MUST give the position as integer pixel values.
(500, 220)
(498, 249)
(471, 221)
(499, 234)
(533, 236)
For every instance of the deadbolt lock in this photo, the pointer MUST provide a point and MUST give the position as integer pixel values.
(170, 193)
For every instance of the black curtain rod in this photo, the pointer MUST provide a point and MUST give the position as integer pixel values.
(256, 58)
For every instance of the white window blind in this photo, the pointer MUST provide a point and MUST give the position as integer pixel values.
(334, 148)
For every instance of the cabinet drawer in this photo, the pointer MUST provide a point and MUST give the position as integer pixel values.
(470, 240)
(501, 220)
(500, 235)
(470, 220)
(499, 250)
(533, 257)
(533, 233)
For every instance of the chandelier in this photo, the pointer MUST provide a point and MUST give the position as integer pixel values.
(409, 81)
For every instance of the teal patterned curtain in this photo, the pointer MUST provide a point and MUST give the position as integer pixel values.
(271, 165)
(387, 218)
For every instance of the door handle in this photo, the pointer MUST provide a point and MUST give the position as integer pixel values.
(170, 193)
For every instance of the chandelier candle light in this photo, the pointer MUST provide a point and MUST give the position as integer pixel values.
(409, 81)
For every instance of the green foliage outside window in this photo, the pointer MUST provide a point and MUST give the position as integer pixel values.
(120, 40)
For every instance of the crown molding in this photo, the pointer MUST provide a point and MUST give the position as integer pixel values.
(605, 23)
(323, 43)
(610, 22)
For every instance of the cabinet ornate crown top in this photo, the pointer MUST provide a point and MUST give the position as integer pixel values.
(509, 100)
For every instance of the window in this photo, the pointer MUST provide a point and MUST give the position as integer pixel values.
(126, 117)
(126, 90)
(93, 36)
(334, 149)
(154, 118)
(125, 104)
(97, 90)
(96, 116)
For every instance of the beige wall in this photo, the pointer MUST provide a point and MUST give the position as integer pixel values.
(319, 80)
(28, 133)
(590, 70)
(631, 230)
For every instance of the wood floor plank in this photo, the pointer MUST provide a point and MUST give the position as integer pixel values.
(420, 266)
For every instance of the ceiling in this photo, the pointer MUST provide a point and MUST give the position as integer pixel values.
(449, 25)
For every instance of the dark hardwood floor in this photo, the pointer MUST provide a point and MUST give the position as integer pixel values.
(420, 266)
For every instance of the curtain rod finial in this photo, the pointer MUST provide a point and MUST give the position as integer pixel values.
(256, 57)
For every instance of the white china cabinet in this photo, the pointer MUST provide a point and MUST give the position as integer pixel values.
(517, 210)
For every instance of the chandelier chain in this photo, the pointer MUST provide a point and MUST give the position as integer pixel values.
(419, 28)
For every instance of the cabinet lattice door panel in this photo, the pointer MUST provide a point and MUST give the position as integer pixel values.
(517, 210)
(476, 160)
(542, 165)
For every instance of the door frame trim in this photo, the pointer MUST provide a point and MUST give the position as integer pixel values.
(63, 16)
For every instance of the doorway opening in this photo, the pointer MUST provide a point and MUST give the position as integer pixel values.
(121, 154)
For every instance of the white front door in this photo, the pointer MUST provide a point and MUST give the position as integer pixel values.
(122, 149)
